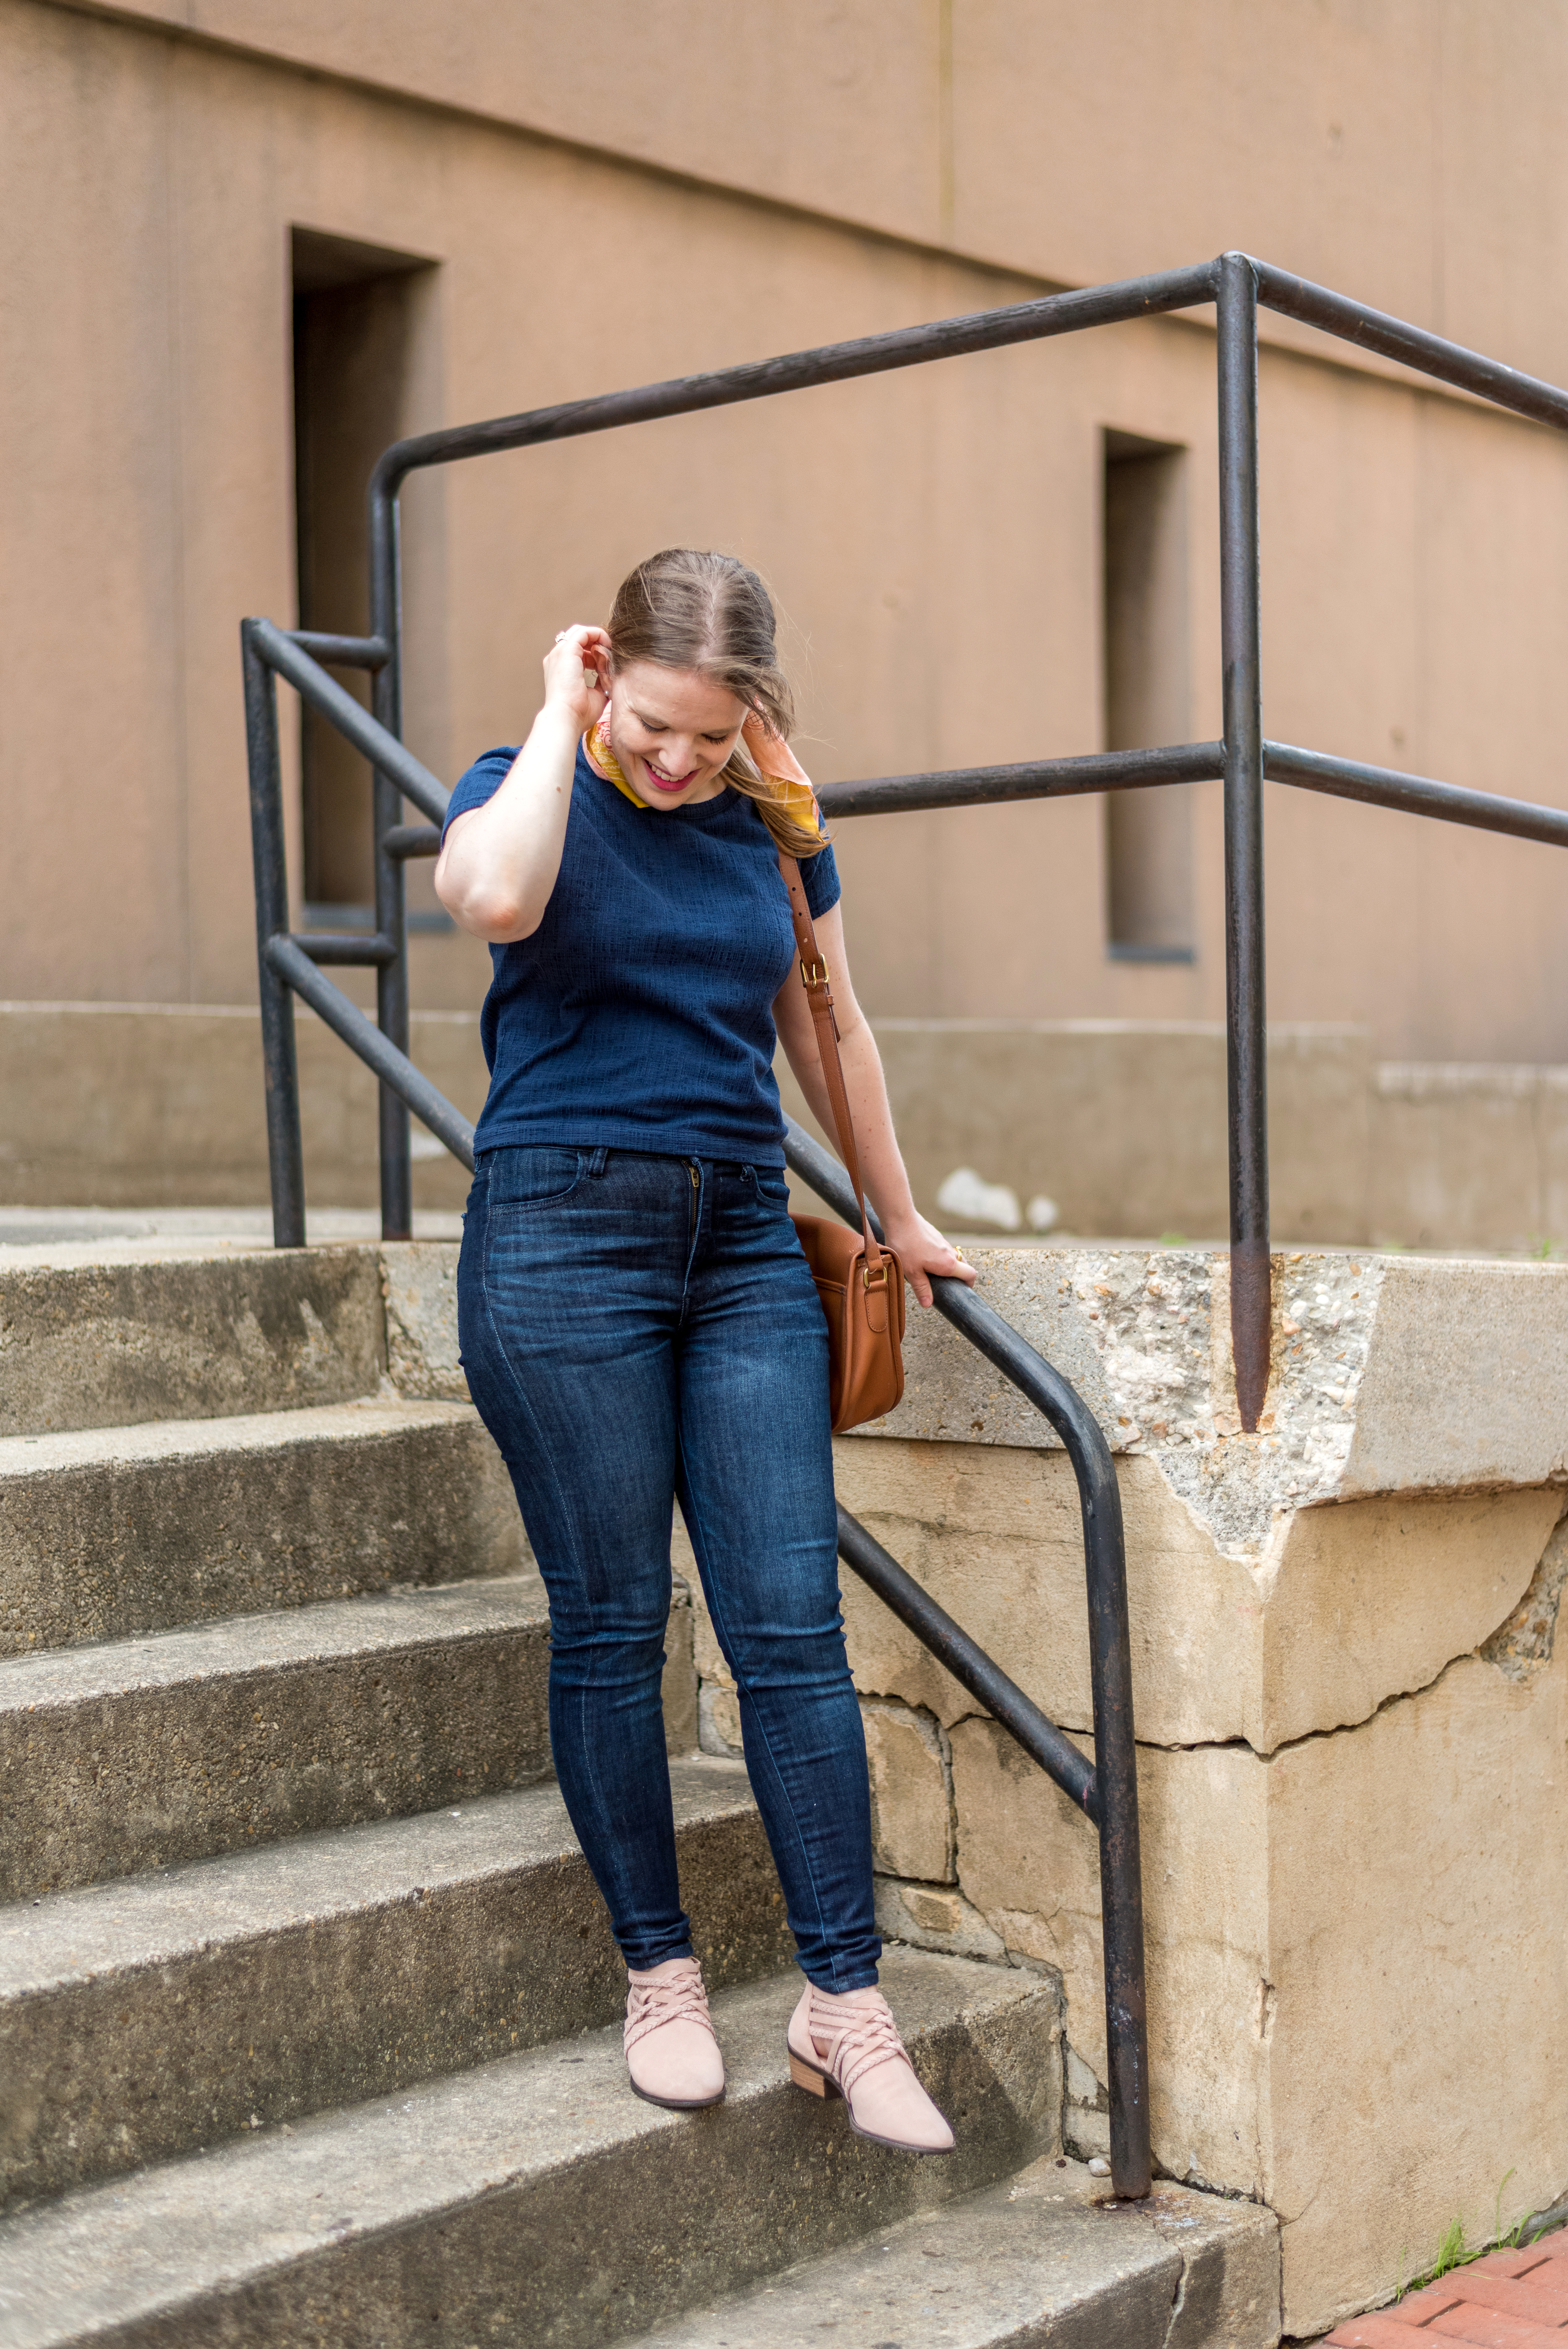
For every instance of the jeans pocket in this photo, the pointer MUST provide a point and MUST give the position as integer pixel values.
(525, 1177)
(772, 1188)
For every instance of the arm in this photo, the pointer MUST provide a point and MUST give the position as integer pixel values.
(919, 1247)
(499, 863)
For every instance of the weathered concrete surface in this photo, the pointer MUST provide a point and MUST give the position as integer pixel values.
(419, 1285)
(155, 1105)
(110, 1344)
(536, 2198)
(1350, 1698)
(142, 2017)
(145, 1752)
(1344, 1608)
(935, 1917)
(109, 1531)
(1390, 1374)
(1469, 1154)
(1122, 1123)
(1311, 1916)
(912, 1825)
(1050, 2260)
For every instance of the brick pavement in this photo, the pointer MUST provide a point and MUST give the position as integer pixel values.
(1509, 2300)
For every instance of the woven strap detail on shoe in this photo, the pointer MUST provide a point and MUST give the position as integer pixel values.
(650, 2005)
(858, 2041)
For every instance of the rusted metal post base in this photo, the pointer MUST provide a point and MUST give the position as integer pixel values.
(1251, 1316)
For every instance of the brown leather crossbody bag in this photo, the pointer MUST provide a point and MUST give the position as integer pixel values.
(858, 1281)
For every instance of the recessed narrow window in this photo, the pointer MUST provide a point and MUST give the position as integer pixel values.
(1148, 834)
(358, 315)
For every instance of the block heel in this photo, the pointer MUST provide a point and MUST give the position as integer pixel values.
(815, 2084)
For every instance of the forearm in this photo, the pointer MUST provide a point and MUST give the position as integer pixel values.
(500, 862)
(881, 1162)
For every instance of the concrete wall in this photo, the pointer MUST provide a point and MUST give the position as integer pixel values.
(1122, 1126)
(720, 182)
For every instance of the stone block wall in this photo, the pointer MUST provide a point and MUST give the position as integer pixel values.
(1352, 1710)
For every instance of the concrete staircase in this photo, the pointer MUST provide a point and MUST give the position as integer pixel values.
(308, 2010)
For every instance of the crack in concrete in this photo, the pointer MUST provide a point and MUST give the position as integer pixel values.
(1244, 1744)
(1524, 1640)
(1311, 1736)
(1178, 2301)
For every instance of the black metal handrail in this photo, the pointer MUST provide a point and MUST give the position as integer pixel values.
(289, 965)
(1235, 284)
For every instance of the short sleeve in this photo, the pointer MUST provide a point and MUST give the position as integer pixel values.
(819, 874)
(481, 782)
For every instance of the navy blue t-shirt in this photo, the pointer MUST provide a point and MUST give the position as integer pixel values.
(639, 1016)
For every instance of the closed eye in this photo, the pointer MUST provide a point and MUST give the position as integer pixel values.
(657, 726)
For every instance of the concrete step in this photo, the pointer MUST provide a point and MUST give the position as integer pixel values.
(140, 1752)
(1048, 2258)
(109, 1531)
(142, 2018)
(109, 1335)
(534, 2199)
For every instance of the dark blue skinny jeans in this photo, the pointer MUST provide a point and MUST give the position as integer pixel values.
(638, 1330)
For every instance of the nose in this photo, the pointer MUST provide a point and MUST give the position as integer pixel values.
(678, 754)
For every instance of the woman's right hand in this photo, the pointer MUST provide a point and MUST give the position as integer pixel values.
(576, 675)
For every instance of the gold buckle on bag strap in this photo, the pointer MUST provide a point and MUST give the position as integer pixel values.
(874, 1277)
(813, 973)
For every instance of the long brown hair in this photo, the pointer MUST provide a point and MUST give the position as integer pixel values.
(683, 609)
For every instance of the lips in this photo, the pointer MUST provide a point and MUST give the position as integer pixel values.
(668, 782)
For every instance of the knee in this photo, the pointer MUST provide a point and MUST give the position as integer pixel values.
(587, 1653)
(814, 1661)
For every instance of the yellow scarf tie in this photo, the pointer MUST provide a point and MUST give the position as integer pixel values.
(791, 784)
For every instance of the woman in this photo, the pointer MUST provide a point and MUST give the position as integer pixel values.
(638, 1322)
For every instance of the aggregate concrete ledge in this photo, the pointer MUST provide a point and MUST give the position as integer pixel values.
(1050, 2260)
(1390, 1374)
(108, 1343)
(141, 1752)
(112, 1530)
(143, 2017)
(534, 2199)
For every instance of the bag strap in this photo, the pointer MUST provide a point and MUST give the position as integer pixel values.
(820, 996)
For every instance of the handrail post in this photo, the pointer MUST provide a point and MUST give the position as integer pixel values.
(280, 1063)
(1120, 1850)
(1245, 1023)
(391, 890)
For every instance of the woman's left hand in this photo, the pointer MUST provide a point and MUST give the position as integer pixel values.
(922, 1250)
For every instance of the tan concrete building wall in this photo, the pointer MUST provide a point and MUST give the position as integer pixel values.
(708, 183)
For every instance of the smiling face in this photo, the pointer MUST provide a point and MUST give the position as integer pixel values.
(672, 731)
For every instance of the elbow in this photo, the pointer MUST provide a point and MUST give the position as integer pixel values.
(497, 915)
(500, 919)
